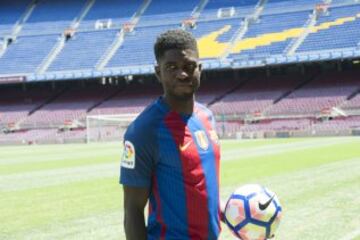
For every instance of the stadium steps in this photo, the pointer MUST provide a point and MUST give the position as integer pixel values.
(300, 85)
(18, 25)
(111, 95)
(87, 7)
(110, 52)
(49, 100)
(259, 9)
(52, 55)
(326, 26)
(231, 90)
(348, 98)
(142, 9)
(296, 42)
(265, 39)
(353, 94)
(198, 9)
(119, 40)
(287, 93)
(236, 38)
(29, 10)
(239, 35)
(59, 46)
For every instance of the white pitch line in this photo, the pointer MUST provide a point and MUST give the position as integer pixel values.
(57, 156)
(38, 179)
(281, 148)
(352, 235)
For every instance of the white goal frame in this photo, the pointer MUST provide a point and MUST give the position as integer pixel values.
(115, 120)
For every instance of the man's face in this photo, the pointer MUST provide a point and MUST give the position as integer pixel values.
(179, 73)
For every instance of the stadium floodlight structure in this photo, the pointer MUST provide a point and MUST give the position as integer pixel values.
(104, 128)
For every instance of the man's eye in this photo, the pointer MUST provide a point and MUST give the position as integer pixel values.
(171, 67)
(191, 67)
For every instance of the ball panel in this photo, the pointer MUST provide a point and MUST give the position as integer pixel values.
(235, 212)
(252, 232)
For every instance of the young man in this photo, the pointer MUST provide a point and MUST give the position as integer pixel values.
(171, 153)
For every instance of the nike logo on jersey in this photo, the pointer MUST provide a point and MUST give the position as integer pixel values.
(183, 147)
(265, 205)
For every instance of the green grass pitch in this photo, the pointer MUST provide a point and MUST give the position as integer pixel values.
(72, 191)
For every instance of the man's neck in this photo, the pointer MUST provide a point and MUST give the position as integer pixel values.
(180, 106)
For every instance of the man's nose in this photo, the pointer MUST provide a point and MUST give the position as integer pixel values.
(182, 75)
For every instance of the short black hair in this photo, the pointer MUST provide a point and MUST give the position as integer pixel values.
(174, 39)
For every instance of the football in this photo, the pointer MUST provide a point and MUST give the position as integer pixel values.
(253, 212)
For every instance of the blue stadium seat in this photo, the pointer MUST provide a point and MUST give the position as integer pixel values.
(26, 54)
(329, 38)
(206, 27)
(158, 7)
(339, 12)
(119, 11)
(242, 8)
(10, 12)
(279, 23)
(173, 11)
(83, 51)
(137, 48)
(278, 6)
(271, 24)
(216, 4)
(52, 16)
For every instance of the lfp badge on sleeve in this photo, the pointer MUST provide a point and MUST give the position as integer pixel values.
(128, 159)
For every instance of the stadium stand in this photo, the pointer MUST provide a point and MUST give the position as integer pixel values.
(119, 11)
(269, 36)
(352, 104)
(269, 30)
(327, 91)
(338, 124)
(222, 31)
(278, 125)
(280, 6)
(255, 95)
(69, 106)
(175, 10)
(52, 16)
(140, 42)
(26, 54)
(131, 99)
(10, 13)
(53, 41)
(340, 21)
(240, 8)
(84, 49)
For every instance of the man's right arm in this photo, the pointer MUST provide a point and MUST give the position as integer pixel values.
(135, 199)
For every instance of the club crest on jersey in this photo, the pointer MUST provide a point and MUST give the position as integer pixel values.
(202, 139)
(128, 159)
(213, 136)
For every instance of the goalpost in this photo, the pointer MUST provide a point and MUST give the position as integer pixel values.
(105, 128)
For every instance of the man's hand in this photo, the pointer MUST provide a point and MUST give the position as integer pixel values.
(222, 210)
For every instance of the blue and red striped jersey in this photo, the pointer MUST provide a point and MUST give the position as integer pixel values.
(177, 157)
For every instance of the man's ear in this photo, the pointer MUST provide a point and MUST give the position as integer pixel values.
(200, 67)
(157, 72)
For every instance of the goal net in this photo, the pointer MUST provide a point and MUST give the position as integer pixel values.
(106, 128)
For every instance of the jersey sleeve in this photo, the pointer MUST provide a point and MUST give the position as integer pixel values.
(137, 161)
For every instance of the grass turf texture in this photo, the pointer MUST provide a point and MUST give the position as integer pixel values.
(72, 191)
